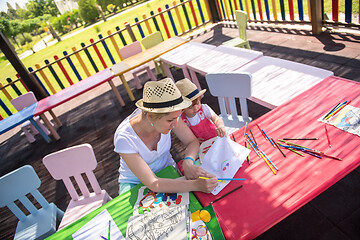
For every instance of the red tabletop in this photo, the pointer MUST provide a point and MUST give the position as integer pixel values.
(265, 199)
(74, 90)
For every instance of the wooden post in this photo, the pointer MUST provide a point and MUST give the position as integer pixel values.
(316, 18)
(10, 54)
(130, 31)
(215, 15)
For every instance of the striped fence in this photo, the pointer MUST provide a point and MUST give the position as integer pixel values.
(77, 64)
(175, 20)
(288, 11)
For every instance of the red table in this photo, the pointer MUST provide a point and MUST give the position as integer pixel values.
(71, 92)
(265, 199)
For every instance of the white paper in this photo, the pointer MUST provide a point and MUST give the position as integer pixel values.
(223, 159)
(167, 223)
(98, 227)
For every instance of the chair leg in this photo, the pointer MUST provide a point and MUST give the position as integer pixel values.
(34, 130)
(157, 68)
(151, 74)
(28, 135)
(45, 129)
(137, 81)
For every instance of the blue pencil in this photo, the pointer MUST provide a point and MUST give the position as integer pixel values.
(269, 160)
(253, 147)
(229, 179)
(268, 138)
(252, 141)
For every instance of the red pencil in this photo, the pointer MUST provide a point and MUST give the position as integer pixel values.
(261, 131)
(327, 135)
(340, 108)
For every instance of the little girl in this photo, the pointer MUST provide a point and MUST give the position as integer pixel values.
(200, 118)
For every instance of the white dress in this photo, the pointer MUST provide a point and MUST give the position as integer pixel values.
(127, 141)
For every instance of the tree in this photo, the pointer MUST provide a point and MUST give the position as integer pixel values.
(88, 10)
(40, 7)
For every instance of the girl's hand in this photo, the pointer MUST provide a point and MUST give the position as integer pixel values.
(221, 131)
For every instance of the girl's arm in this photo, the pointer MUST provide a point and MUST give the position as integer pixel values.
(186, 136)
(219, 123)
(141, 170)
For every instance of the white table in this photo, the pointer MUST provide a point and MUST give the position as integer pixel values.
(220, 59)
(180, 56)
(276, 81)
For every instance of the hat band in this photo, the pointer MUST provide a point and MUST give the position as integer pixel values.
(163, 104)
(193, 93)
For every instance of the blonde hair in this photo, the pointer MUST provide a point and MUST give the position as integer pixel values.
(155, 116)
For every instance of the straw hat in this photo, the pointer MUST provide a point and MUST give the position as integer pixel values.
(189, 89)
(162, 97)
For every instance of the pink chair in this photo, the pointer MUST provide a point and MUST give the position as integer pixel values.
(73, 162)
(130, 50)
(22, 102)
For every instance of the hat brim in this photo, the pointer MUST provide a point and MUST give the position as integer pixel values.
(184, 104)
(198, 95)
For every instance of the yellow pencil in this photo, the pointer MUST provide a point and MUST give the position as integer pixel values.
(208, 178)
(267, 163)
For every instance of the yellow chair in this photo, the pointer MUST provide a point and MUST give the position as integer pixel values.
(150, 41)
(241, 41)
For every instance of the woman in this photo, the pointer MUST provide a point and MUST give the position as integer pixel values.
(143, 141)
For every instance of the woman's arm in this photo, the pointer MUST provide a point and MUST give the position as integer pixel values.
(142, 171)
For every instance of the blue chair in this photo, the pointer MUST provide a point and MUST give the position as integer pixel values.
(40, 223)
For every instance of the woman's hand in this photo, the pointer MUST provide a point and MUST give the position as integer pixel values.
(207, 185)
(191, 171)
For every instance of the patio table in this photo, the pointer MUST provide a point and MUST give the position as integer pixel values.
(180, 56)
(220, 59)
(20, 117)
(265, 199)
(50, 102)
(121, 208)
(143, 57)
(276, 81)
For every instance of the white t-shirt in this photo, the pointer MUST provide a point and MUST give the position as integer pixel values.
(196, 119)
(127, 141)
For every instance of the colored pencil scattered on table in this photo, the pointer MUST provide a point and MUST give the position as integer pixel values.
(269, 160)
(248, 156)
(260, 131)
(226, 194)
(109, 230)
(268, 138)
(252, 147)
(331, 111)
(336, 110)
(252, 142)
(300, 138)
(327, 135)
(277, 146)
(339, 109)
(234, 137)
(253, 137)
(245, 129)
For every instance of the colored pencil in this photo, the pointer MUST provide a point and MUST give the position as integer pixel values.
(339, 109)
(261, 131)
(234, 137)
(277, 146)
(300, 139)
(340, 106)
(226, 179)
(248, 156)
(208, 178)
(327, 135)
(253, 137)
(226, 194)
(252, 147)
(245, 128)
(109, 230)
(266, 161)
(252, 141)
(103, 237)
(331, 111)
(269, 160)
(291, 149)
(268, 138)
(293, 144)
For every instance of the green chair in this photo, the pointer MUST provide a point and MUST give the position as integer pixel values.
(150, 41)
(241, 41)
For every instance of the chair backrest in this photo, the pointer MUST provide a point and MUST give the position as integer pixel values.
(130, 50)
(24, 100)
(151, 40)
(230, 85)
(72, 162)
(16, 185)
(241, 21)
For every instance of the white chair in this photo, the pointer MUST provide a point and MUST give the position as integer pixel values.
(130, 50)
(40, 223)
(22, 102)
(73, 162)
(228, 87)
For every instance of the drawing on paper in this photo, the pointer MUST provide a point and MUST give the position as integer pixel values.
(166, 223)
(151, 201)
